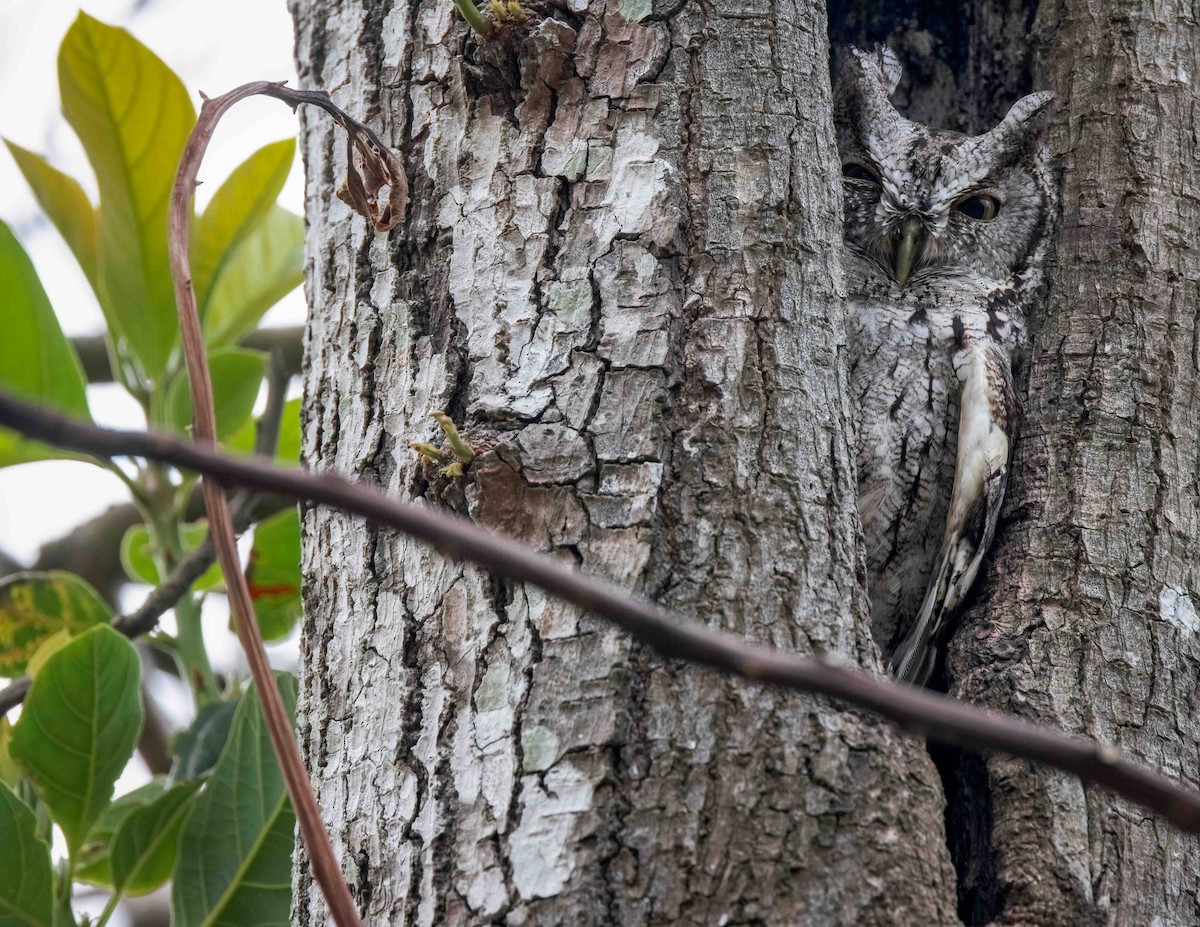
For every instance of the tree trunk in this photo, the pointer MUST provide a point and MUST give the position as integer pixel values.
(620, 276)
(1090, 621)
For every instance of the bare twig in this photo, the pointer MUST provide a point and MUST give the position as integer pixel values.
(266, 434)
(371, 166)
(14, 694)
(915, 710)
(97, 367)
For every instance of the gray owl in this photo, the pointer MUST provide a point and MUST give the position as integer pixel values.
(946, 245)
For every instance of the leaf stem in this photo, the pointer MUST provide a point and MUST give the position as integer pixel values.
(193, 656)
(475, 19)
(110, 906)
(382, 168)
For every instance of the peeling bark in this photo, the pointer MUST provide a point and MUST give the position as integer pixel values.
(620, 276)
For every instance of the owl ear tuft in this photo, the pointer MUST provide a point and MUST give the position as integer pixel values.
(1023, 124)
(867, 79)
(889, 68)
(871, 71)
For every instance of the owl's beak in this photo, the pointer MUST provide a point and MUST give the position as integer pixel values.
(911, 234)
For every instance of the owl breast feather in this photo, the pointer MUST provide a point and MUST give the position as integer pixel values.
(903, 381)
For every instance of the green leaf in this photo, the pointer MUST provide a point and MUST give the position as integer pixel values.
(287, 449)
(287, 446)
(35, 606)
(46, 649)
(10, 772)
(273, 573)
(36, 360)
(235, 852)
(197, 748)
(133, 116)
(65, 202)
(137, 556)
(266, 266)
(238, 206)
(144, 849)
(26, 887)
(91, 862)
(79, 726)
(237, 374)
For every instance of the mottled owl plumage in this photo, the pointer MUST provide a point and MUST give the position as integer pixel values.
(946, 243)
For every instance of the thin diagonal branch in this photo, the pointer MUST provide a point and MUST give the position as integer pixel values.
(913, 710)
(97, 364)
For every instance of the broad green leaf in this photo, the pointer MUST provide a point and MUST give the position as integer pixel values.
(144, 848)
(36, 606)
(240, 203)
(235, 852)
(273, 573)
(10, 772)
(46, 649)
(79, 726)
(237, 375)
(26, 887)
(92, 862)
(36, 360)
(287, 449)
(197, 748)
(138, 559)
(266, 266)
(287, 446)
(133, 116)
(65, 202)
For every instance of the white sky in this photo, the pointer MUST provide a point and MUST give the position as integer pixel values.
(213, 45)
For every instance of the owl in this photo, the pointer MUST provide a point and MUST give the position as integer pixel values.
(947, 239)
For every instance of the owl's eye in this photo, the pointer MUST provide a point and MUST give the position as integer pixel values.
(853, 171)
(981, 207)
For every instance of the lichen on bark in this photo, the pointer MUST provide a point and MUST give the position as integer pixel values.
(620, 276)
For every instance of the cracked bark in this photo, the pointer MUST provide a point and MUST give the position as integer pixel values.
(1090, 617)
(620, 276)
(1087, 615)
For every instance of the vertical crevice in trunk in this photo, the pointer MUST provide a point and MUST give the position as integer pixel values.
(969, 833)
(964, 65)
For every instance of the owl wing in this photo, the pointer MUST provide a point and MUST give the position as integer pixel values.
(988, 415)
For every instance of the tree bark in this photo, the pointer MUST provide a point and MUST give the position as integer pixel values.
(620, 276)
(1090, 621)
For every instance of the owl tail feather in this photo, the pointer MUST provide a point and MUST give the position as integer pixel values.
(916, 656)
(986, 419)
